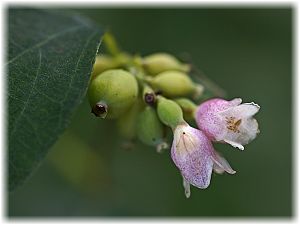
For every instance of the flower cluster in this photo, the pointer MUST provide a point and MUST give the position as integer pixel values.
(148, 94)
(218, 120)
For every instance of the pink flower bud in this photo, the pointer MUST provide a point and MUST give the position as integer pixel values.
(228, 121)
(194, 155)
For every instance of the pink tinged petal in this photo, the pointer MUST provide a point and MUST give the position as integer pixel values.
(228, 121)
(207, 119)
(192, 154)
(221, 165)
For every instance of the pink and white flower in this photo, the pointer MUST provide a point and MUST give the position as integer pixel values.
(195, 157)
(228, 121)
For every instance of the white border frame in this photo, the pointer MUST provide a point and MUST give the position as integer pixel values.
(175, 3)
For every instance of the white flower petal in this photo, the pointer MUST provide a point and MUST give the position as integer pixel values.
(241, 111)
(235, 101)
(234, 144)
(217, 169)
(239, 127)
(187, 188)
(221, 164)
(246, 132)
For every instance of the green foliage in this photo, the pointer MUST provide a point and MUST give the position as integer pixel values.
(50, 58)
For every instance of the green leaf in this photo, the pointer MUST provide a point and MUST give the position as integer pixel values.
(50, 58)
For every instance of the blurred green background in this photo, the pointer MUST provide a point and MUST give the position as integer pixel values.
(248, 51)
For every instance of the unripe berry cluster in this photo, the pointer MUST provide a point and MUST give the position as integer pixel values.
(126, 88)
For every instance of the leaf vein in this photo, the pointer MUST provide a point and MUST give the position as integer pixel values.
(43, 42)
(29, 95)
(46, 96)
(75, 71)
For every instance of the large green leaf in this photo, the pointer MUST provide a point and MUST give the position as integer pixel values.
(50, 58)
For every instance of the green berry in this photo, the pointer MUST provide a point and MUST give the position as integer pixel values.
(106, 62)
(102, 63)
(160, 62)
(150, 130)
(188, 107)
(169, 112)
(112, 93)
(127, 122)
(173, 84)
